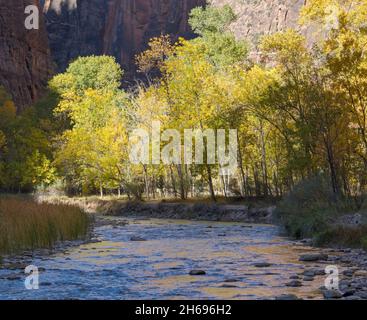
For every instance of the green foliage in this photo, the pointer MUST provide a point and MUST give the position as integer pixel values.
(211, 19)
(343, 236)
(305, 210)
(93, 151)
(310, 207)
(25, 145)
(212, 24)
(95, 72)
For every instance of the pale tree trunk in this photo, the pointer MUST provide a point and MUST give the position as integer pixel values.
(173, 181)
(224, 183)
(146, 182)
(243, 178)
(101, 191)
(264, 166)
(210, 181)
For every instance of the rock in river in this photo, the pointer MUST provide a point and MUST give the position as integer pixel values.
(308, 278)
(313, 257)
(287, 297)
(197, 273)
(137, 238)
(309, 273)
(332, 294)
(294, 283)
(262, 265)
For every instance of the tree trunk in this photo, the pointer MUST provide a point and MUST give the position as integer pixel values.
(210, 181)
(332, 168)
(264, 166)
(244, 187)
(181, 179)
(146, 181)
(173, 181)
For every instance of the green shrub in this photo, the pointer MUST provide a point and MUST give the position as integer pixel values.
(343, 236)
(310, 207)
(364, 242)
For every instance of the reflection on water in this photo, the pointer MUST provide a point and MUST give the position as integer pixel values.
(117, 268)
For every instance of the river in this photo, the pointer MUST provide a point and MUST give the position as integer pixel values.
(114, 267)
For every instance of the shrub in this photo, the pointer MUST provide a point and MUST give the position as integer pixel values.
(343, 236)
(310, 207)
(364, 242)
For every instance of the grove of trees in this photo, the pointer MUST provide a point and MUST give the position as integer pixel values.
(300, 110)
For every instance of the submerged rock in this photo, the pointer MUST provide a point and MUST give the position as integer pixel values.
(227, 285)
(13, 277)
(308, 278)
(349, 293)
(332, 294)
(310, 257)
(287, 297)
(309, 273)
(197, 272)
(294, 283)
(348, 273)
(137, 238)
(231, 280)
(262, 265)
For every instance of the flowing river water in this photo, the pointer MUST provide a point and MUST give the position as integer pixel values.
(114, 267)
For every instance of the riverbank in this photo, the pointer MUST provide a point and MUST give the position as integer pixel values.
(28, 225)
(142, 226)
(326, 229)
(261, 212)
(347, 266)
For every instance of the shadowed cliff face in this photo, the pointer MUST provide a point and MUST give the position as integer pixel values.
(120, 28)
(25, 63)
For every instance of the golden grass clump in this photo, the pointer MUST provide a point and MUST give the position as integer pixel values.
(27, 225)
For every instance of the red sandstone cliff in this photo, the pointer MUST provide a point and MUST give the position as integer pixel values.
(25, 63)
(120, 28)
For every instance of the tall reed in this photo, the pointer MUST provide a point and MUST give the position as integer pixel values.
(27, 225)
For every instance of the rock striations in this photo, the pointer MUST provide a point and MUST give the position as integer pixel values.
(25, 61)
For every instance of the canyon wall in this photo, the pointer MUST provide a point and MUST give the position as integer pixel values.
(260, 17)
(25, 62)
(120, 28)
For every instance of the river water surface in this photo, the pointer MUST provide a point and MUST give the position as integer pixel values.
(114, 267)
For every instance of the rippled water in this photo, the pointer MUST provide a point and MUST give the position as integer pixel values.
(117, 268)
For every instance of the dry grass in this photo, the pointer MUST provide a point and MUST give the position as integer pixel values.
(27, 225)
(344, 236)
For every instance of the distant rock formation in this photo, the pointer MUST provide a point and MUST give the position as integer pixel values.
(25, 62)
(258, 18)
(121, 28)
